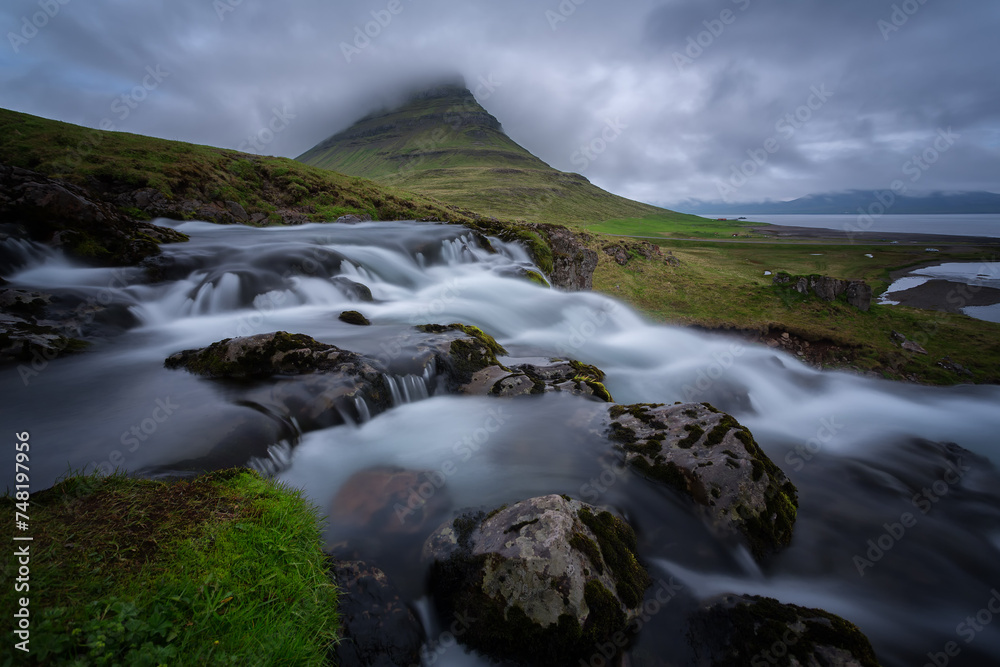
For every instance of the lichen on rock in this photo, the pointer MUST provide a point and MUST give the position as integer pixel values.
(546, 578)
(710, 457)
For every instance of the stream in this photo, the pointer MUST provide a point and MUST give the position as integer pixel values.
(896, 531)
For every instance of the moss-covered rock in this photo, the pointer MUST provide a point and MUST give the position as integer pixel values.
(545, 579)
(711, 458)
(571, 376)
(735, 631)
(315, 383)
(354, 317)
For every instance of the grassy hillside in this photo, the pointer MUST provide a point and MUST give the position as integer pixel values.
(118, 163)
(443, 144)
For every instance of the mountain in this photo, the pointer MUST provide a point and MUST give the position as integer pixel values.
(929, 203)
(443, 144)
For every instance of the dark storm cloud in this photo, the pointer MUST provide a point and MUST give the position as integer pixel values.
(657, 100)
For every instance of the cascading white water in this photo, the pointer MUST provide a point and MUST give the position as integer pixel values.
(856, 448)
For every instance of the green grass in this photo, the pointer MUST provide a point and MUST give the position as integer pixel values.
(669, 224)
(723, 286)
(226, 569)
(114, 162)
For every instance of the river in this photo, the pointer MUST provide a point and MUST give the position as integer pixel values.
(862, 452)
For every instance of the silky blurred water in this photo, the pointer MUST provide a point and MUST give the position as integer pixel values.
(858, 450)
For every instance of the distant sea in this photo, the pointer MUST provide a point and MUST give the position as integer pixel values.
(952, 225)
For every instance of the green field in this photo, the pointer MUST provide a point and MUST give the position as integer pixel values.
(669, 224)
(723, 286)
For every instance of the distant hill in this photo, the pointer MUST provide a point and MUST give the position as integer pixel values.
(443, 144)
(931, 203)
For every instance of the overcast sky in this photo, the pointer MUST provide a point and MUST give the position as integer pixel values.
(658, 100)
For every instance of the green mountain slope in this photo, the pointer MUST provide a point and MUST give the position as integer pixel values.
(443, 144)
(148, 177)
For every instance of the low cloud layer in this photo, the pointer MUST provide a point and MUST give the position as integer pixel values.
(656, 100)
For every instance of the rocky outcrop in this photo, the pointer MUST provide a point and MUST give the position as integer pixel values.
(573, 263)
(709, 457)
(622, 253)
(65, 216)
(377, 629)
(857, 292)
(753, 630)
(542, 580)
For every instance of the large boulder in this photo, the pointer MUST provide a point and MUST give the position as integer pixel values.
(753, 630)
(317, 385)
(543, 581)
(377, 629)
(709, 457)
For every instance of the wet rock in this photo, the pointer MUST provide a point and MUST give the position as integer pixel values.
(468, 358)
(390, 500)
(377, 629)
(558, 375)
(262, 355)
(354, 317)
(750, 630)
(328, 385)
(354, 290)
(63, 215)
(709, 457)
(352, 219)
(542, 581)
